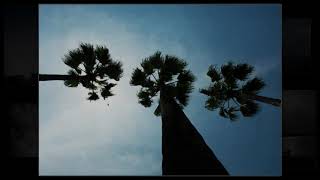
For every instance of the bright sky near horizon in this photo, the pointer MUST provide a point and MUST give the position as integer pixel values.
(78, 137)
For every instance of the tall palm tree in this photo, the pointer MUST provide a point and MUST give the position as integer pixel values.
(92, 68)
(184, 150)
(231, 91)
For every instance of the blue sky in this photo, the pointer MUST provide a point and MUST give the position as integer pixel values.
(78, 137)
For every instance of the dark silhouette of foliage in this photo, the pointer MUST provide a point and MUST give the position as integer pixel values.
(92, 67)
(232, 91)
(184, 150)
(167, 73)
(99, 67)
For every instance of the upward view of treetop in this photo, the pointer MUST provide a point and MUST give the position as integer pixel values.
(184, 150)
(231, 91)
(166, 74)
(92, 67)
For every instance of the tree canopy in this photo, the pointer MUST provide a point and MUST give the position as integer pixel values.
(92, 67)
(229, 89)
(166, 73)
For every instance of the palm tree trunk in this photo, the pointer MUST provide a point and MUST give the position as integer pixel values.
(54, 77)
(184, 150)
(271, 101)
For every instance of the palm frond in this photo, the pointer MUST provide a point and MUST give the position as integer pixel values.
(241, 99)
(214, 74)
(232, 116)
(98, 65)
(205, 91)
(73, 73)
(146, 102)
(78, 70)
(222, 112)
(88, 84)
(224, 88)
(93, 96)
(106, 90)
(242, 71)
(156, 60)
(89, 58)
(147, 66)
(250, 108)
(186, 76)
(219, 90)
(183, 98)
(253, 86)
(213, 103)
(108, 86)
(102, 54)
(138, 77)
(100, 71)
(183, 89)
(174, 65)
(168, 68)
(165, 76)
(148, 83)
(231, 82)
(144, 98)
(227, 70)
(71, 82)
(73, 59)
(114, 70)
(231, 113)
(101, 82)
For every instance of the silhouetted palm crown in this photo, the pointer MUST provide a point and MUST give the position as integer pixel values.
(229, 89)
(166, 73)
(92, 68)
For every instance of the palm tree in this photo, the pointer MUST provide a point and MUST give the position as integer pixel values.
(184, 150)
(92, 68)
(232, 90)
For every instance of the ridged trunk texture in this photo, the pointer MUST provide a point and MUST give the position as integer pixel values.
(184, 150)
